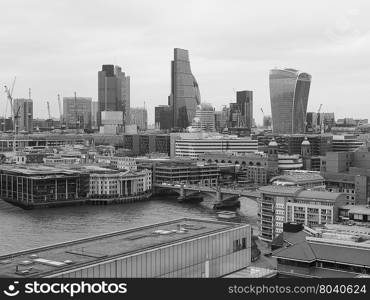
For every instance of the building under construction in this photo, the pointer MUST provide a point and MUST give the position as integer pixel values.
(37, 186)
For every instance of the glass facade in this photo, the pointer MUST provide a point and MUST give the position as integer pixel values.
(213, 255)
(289, 90)
(185, 95)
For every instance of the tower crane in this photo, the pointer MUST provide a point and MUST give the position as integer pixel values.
(320, 119)
(48, 105)
(9, 94)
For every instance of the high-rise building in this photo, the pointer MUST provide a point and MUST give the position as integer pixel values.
(244, 99)
(77, 112)
(221, 118)
(94, 114)
(289, 90)
(113, 91)
(163, 117)
(139, 117)
(204, 119)
(185, 95)
(23, 114)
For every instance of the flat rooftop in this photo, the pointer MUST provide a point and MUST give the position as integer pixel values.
(57, 258)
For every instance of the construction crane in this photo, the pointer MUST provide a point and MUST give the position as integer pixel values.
(48, 106)
(9, 94)
(60, 110)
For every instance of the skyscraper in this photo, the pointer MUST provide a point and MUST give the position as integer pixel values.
(244, 99)
(163, 117)
(139, 117)
(77, 112)
(289, 89)
(113, 91)
(23, 114)
(204, 119)
(185, 95)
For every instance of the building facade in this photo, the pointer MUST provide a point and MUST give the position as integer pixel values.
(23, 114)
(244, 99)
(185, 95)
(204, 119)
(113, 91)
(281, 204)
(289, 90)
(163, 117)
(139, 117)
(77, 112)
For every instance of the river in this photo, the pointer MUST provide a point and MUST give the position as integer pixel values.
(24, 229)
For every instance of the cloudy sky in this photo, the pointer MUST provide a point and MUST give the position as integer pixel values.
(59, 46)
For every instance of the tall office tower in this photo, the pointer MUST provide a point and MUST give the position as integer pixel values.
(204, 119)
(289, 91)
(163, 117)
(77, 112)
(139, 117)
(23, 114)
(94, 114)
(185, 95)
(221, 118)
(113, 92)
(244, 99)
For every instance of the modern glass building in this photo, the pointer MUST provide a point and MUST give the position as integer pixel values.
(113, 91)
(289, 89)
(185, 95)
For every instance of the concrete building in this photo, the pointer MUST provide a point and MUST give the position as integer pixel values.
(185, 95)
(345, 143)
(204, 119)
(77, 112)
(193, 147)
(94, 114)
(113, 92)
(23, 114)
(183, 248)
(244, 100)
(307, 180)
(113, 184)
(117, 162)
(349, 173)
(289, 90)
(187, 172)
(355, 213)
(163, 117)
(280, 204)
(221, 119)
(139, 117)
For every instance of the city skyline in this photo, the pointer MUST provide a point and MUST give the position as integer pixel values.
(333, 50)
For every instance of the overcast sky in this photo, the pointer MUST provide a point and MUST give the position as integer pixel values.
(59, 46)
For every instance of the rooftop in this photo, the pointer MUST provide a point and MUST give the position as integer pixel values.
(357, 209)
(298, 178)
(57, 258)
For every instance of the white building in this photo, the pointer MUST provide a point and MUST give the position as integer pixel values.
(280, 204)
(204, 119)
(118, 162)
(193, 147)
(120, 184)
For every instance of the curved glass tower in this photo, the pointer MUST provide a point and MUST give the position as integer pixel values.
(289, 89)
(185, 95)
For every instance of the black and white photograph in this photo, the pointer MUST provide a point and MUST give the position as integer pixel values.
(221, 147)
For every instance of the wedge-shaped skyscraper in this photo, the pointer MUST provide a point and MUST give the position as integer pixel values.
(185, 95)
(289, 89)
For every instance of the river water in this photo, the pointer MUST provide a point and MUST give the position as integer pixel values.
(24, 229)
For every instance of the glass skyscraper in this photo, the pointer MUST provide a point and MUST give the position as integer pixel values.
(289, 89)
(113, 91)
(185, 95)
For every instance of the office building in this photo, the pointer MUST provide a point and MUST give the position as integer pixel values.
(163, 117)
(185, 95)
(244, 100)
(31, 186)
(139, 117)
(183, 248)
(346, 142)
(23, 114)
(113, 91)
(221, 119)
(279, 204)
(204, 119)
(187, 172)
(289, 90)
(193, 147)
(94, 114)
(77, 112)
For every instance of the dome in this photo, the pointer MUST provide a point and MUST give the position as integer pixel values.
(305, 142)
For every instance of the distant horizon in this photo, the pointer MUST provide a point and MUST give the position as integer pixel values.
(232, 46)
